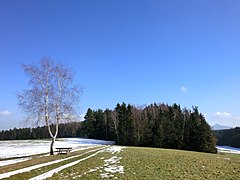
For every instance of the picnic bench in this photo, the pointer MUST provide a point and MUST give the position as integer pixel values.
(63, 150)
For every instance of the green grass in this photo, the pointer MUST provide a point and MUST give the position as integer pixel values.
(82, 170)
(145, 163)
(153, 163)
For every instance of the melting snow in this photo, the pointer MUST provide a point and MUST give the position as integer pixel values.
(88, 142)
(13, 161)
(114, 149)
(56, 170)
(112, 165)
(228, 149)
(20, 148)
(23, 148)
(11, 173)
(228, 159)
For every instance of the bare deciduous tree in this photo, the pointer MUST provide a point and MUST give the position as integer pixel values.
(53, 98)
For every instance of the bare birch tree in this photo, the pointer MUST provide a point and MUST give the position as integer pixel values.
(52, 98)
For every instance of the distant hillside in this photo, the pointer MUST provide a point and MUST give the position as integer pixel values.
(228, 137)
(65, 130)
(220, 127)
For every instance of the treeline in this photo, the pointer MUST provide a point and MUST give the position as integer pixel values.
(156, 125)
(229, 137)
(65, 130)
(152, 126)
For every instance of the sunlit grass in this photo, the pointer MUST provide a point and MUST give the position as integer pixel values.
(153, 163)
(88, 169)
(141, 163)
(148, 163)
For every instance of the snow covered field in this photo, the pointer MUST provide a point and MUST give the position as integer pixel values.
(228, 149)
(20, 148)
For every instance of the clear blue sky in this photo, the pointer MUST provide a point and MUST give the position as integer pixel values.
(139, 52)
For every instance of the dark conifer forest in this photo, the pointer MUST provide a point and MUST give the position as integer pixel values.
(155, 125)
(65, 130)
(229, 137)
(151, 126)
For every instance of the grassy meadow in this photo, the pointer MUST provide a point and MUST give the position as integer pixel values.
(148, 163)
(137, 163)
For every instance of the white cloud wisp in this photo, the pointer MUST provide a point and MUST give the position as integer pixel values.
(184, 89)
(5, 113)
(223, 114)
(224, 119)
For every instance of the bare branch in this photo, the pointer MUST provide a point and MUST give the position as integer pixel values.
(53, 97)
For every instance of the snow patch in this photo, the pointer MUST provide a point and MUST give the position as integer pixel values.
(20, 148)
(112, 165)
(13, 161)
(56, 170)
(228, 149)
(114, 149)
(113, 160)
(48, 174)
(88, 142)
(228, 159)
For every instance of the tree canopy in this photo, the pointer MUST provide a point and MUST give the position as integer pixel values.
(153, 126)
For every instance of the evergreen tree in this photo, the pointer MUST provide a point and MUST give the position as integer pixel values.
(121, 111)
(89, 124)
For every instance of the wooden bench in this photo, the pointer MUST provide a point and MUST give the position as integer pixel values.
(64, 150)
